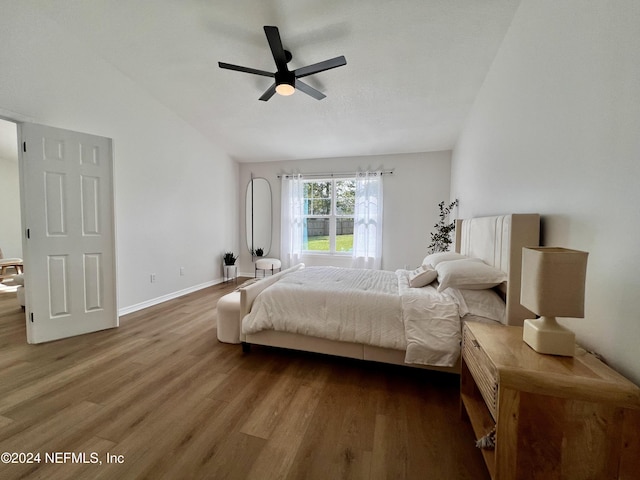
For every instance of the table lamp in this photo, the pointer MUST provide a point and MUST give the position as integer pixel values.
(552, 286)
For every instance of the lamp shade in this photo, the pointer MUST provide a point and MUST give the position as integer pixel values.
(553, 281)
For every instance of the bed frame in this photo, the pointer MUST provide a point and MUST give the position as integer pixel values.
(497, 240)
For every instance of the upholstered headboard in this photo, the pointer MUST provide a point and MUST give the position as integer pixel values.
(498, 241)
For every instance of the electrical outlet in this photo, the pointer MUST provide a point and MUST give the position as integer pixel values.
(181, 271)
(152, 277)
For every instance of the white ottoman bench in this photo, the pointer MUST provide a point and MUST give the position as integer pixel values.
(229, 318)
(265, 264)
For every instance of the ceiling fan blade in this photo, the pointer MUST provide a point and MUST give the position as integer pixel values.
(238, 68)
(277, 50)
(269, 93)
(303, 87)
(320, 66)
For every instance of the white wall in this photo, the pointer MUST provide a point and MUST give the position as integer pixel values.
(10, 229)
(411, 196)
(176, 197)
(556, 130)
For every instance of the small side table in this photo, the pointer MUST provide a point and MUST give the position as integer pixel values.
(230, 273)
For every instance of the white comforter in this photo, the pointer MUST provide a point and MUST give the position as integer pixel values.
(362, 306)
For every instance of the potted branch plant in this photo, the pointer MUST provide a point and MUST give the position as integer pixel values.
(259, 252)
(441, 237)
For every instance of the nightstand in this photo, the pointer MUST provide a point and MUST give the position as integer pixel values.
(555, 417)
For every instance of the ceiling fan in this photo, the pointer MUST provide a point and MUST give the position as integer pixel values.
(287, 81)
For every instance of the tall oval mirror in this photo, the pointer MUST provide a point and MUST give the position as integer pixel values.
(258, 215)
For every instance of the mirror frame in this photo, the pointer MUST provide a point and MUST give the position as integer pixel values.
(258, 214)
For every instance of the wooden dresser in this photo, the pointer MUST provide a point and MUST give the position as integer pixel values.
(555, 417)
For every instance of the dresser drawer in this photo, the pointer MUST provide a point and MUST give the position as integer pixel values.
(483, 371)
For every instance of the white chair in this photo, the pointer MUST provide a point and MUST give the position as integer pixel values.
(266, 264)
(14, 264)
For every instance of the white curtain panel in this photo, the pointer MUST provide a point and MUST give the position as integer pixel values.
(367, 229)
(292, 220)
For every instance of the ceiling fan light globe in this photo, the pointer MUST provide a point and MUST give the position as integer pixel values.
(285, 89)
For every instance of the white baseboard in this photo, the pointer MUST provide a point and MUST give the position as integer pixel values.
(167, 297)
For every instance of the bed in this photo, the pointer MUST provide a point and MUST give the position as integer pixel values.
(400, 316)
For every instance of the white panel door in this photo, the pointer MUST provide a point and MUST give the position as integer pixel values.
(69, 246)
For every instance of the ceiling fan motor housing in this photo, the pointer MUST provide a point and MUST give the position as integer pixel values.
(285, 77)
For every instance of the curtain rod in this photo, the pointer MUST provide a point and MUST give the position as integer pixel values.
(334, 175)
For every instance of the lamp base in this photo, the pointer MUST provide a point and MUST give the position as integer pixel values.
(545, 335)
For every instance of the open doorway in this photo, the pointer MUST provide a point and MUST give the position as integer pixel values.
(10, 220)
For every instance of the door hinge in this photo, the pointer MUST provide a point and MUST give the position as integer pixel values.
(24, 146)
(31, 317)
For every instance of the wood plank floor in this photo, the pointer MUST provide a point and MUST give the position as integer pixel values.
(165, 399)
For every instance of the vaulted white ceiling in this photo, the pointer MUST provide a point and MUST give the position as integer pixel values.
(413, 67)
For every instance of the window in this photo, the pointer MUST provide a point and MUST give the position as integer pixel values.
(329, 207)
(341, 217)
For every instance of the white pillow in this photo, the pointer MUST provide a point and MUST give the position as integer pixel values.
(435, 258)
(485, 303)
(470, 274)
(422, 276)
